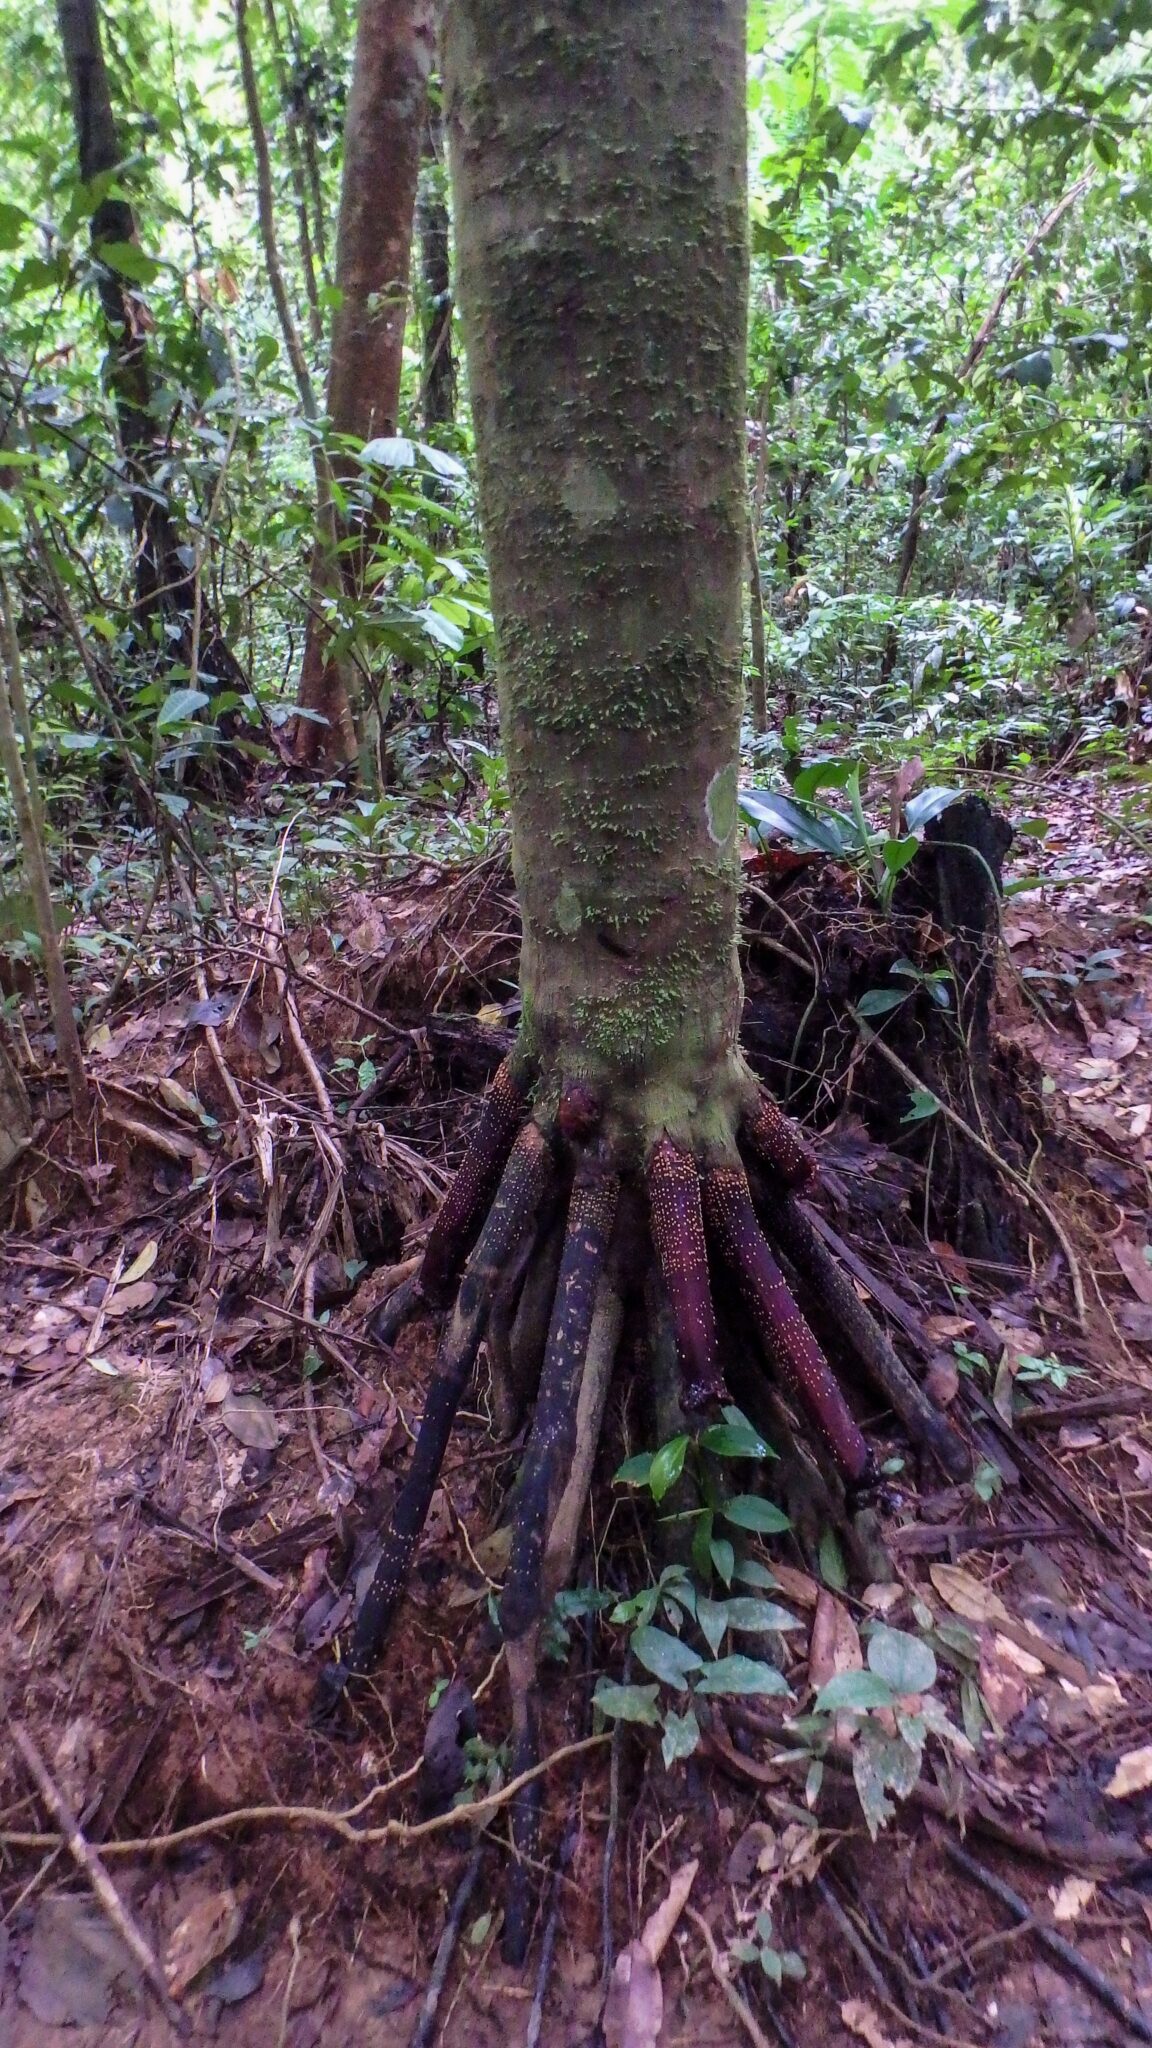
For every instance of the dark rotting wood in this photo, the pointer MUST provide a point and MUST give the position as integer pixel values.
(677, 1225)
(591, 1216)
(799, 1363)
(524, 1187)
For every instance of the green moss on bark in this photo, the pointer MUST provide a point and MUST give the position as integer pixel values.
(598, 158)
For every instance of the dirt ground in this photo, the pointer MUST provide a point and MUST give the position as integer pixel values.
(200, 1435)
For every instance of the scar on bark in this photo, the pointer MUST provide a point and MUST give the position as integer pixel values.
(528, 1249)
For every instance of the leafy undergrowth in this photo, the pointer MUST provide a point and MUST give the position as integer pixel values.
(187, 1361)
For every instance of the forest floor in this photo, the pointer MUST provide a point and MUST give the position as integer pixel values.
(200, 1432)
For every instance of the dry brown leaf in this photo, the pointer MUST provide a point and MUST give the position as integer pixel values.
(127, 1300)
(861, 2019)
(942, 1329)
(1003, 1686)
(942, 1379)
(207, 1929)
(1078, 1436)
(795, 1584)
(634, 2008)
(1141, 1457)
(1130, 1258)
(835, 1644)
(965, 1595)
(1070, 1898)
(1133, 1773)
(250, 1421)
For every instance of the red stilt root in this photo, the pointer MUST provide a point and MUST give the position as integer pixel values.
(779, 1144)
(464, 1207)
(678, 1235)
(792, 1349)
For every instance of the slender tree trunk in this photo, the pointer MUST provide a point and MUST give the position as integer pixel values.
(165, 587)
(438, 385)
(25, 804)
(598, 166)
(296, 172)
(382, 142)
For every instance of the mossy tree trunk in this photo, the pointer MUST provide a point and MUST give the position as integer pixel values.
(383, 137)
(598, 167)
(438, 384)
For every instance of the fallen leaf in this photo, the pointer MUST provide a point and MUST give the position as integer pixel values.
(835, 1644)
(942, 1379)
(1078, 1436)
(942, 1329)
(237, 1980)
(1141, 1118)
(1070, 1898)
(73, 1961)
(862, 2020)
(141, 1264)
(748, 1854)
(1141, 1457)
(796, 1584)
(965, 1595)
(1003, 1684)
(634, 2008)
(127, 1300)
(1133, 1773)
(250, 1421)
(208, 1928)
(1130, 1258)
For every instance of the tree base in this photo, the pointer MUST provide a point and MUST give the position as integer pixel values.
(668, 1243)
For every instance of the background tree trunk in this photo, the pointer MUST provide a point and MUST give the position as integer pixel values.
(598, 168)
(165, 586)
(438, 386)
(382, 143)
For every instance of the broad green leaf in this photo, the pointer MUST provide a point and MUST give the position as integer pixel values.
(855, 1691)
(876, 1002)
(665, 1656)
(903, 1660)
(759, 1617)
(628, 1702)
(129, 261)
(731, 1675)
(635, 1471)
(712, 1616)
(666, 1466)
(681, 1737)
(734, 1440)
(179, 705)
(749, 1511)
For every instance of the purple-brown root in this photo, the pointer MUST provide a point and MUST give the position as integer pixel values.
(799, 1362)
(677, 1222)
(465, 1205)
(779, 1144)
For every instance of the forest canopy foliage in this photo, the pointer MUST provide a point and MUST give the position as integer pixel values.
(951, 282)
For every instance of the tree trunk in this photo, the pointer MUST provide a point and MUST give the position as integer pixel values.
(599, 182)
(438, 385)
(165, 586)
(382, 142)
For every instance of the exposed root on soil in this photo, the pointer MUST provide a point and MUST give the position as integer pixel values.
(675, 1236)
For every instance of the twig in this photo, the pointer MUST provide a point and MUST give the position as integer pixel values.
(323, 1817)
(89, 1862)
(855, 1940)
(606, 1934)
(1055, 1943)
(548, 1945)
(952, 1116)
(217, 1545)
(425, 2028)
(740, 2007)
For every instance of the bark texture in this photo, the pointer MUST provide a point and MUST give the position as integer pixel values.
(598, 168)
(383, 138)
(438, 386)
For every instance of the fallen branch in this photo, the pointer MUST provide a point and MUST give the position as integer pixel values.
(425, 2028)
(86, 1859)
